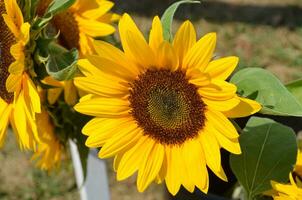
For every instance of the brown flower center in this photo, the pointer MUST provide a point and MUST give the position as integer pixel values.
(7, 39)
(69, 29)
(166, 106)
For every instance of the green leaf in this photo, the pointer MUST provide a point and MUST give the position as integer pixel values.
(58, 6)
(264, 87)
(269, 152)
(168, 16)
(41, 22)
(62, 64)
(295, 88)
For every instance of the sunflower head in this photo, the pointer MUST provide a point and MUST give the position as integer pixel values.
(291, 191)
(7, 39)
(83, 21)
(161, 108)
(18, 95)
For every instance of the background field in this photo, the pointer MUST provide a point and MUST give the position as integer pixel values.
(266, 33)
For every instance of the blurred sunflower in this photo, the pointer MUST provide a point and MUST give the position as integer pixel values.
(83, 21)
(162, 109)
(293, 190)
(49, 150)
(19, 100)
(68, 87)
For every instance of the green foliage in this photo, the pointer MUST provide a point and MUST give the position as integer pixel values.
(58, 6)
(264, 87)
(268, 153)
(167, 18)
(295, 88)
(62, 64)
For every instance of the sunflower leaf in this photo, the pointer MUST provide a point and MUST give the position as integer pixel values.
(168, 16)
(295, 88)
(269, 152)
(264, 87)
(58, 6)
(62, 64)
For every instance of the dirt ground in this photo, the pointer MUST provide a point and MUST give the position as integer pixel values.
(265, 33)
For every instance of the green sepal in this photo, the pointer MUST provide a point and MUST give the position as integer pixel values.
(269, 151)
(167, 18)
(262, 86)
(39, 24)
(57, 6)
(62, 64)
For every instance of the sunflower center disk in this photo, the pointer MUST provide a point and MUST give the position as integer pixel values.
(7, 39)
(69, 29)
(166, 106)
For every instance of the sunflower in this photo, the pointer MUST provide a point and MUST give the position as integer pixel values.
(83, 21)
(19, 100)
(161, 108)
(68, 87)
(292, 191)
(49, 150)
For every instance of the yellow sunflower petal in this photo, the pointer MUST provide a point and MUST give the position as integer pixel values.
(156, 34)
(195, 163)
(112, 53)
(132, 159)
(31, 95)
(187, 183)
(221, 123)
(134, 43)
(103, 8)
(231, 145)
(167, 57)
(141, 52)
(222, 106)
(103, 107)
(17, 67)
(89, 69)
(5, 111)
(151, 165)
(17, 51)
(222, 68)
(173, 178)
(100, 130)
(123, 138)
(26, 140)
(201, 53)
(14, 17)
(218, 90)
(53, 95)
(245, 108)
(211, 150)
(115, 69)
(117, 159)
(25, 33)
(94, 28)
(70, 92)
(13, 83)
(184, 40)
(86, 44)
(101, 86)
(163, 171)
